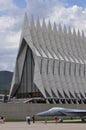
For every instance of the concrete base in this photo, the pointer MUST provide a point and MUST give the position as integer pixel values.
(13, 111)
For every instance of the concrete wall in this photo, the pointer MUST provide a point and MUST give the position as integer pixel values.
(20, 111)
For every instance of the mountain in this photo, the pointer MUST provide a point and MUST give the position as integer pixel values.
(5, 81)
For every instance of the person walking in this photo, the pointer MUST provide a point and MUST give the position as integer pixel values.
(33, 119)
(28, 119)
(56, 120)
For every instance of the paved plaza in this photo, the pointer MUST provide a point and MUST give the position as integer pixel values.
(41, 126)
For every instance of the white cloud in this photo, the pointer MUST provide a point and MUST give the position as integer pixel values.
(13, 39)
(41, 8)
(7, 5)
(6, 22)
(11, 20)
(7, 66)
(58, 12)
(7, 58)
(9, 31)
(73, 16)
(4, 65)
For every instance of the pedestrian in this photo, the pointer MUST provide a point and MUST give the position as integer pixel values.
(2, 119)
(33, 119)
(28, 119)
(56, 120)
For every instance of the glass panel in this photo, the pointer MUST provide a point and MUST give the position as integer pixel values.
(60, 95)
(54, 95)
(85, 61)
(66, 58)
(71, 95)
(55, 56)
(71, 59)
(47, 94)
(81, 61)
(65, 94)
(43, 53)
(76, 60)
(77, 95)
(60, 57)
(82, 96)
(37, 53)
(50, 56)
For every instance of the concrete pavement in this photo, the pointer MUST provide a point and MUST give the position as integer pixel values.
(41, 126)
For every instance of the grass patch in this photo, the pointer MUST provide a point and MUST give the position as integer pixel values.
(66, 120)
(15, 120)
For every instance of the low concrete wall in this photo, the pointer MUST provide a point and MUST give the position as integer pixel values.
(20, 111)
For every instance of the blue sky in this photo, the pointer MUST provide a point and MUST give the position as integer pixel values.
(21, 4)
(69, 12)
(81, 3)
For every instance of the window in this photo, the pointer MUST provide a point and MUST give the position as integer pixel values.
(81, 61)
(37, 52)
(54, 95)
(64, 68)
(60, 95)
(71, 59)
(53, 66)
(71, 95)
(43, 53)
(59, 68)
(47, 65)
(81, 95)
(55, 56)
(50, 56)
(70, 69)
(84, 70)
(85, 61)
(66, 58)
(65, 94)
(79, 70)
(76, 60)
(41, 67)
(47, 94)
(75, 70)
(77, 95)
(61, 58)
